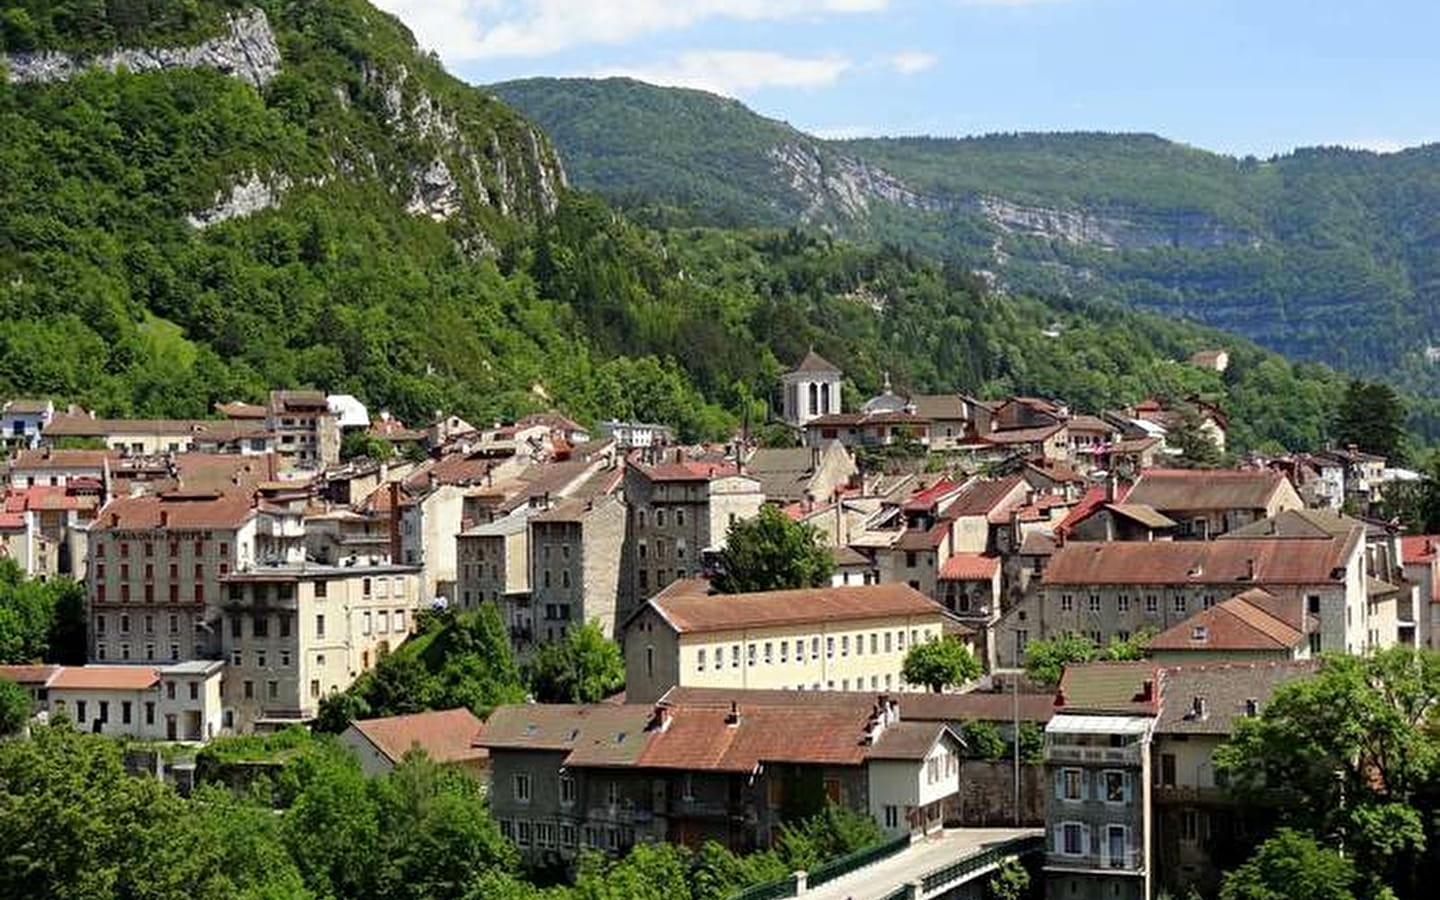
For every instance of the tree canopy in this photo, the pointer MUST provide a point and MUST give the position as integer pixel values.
(40, 620)
(772, 552)
(1045, 660)
(585, 667)
(941, 663)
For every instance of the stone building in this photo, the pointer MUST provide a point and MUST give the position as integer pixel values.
(575, 551)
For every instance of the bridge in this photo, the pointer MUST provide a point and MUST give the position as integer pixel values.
(937, 866)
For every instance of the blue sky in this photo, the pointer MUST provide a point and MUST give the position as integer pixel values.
(1237, 76)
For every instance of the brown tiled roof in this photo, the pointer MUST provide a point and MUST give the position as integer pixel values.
(1085, 422)
(199, 472)
(921, 539)
(1120, 687)
(939, 406)
(814, 362)
(28, 674)
(201, 429)
(285, 400)
(63, 459)
(1183, 489)
(908, 740)
(105, 678)
(1225, 688)
(445, 735)
(238, 410)
(597, 733)
(26, 407)
(1038, 543)
(1223, 562)
(687, 471)
(182, 511)
(995, 706)
(700, 737)
(1300, 523)
(1148, 516)
(456, 468)
(1022, 435)
(1233, 625)
(691, 614)
(849, 556)
(969, 567)
(983, 497)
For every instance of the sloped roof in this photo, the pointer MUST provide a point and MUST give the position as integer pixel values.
(181, 511)
(982, 498)
(445, 735)
(225, 471)
(939, 406)
(1223, 562)
(588, 734)
(814, 362)
(1022, 435)
(1418, 549)
(28, 674)
(1184, 489)
(1299, 523)
(909, 740)
(1235, 624)
(700, 737)
(1148, 516)
(104, 678)
(63, 459)
(1121, 687)
(969, 567)
(1225, 687)
(689, 613)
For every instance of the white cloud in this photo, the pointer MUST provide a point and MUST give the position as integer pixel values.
(477, 29)
(1380, 145)
(738, 72)
(908, 62)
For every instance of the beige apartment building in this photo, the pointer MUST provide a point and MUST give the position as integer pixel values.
(679, 511)
(156, 565)
(832, 639)
(179, 702)
(293, 634)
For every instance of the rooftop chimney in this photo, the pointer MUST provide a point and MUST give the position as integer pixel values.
(732, 718)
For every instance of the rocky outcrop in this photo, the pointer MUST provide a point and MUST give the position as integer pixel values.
(1121, 230)
(246, 198)
(513, 174)
(247, 50)
(833, 184)
(435, 193)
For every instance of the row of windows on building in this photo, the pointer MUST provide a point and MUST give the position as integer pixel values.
(103, 653)
(1111, 843)
(1179, 603)
(147, 624)
(677, 516)
(174, 547)
(892, 642)
(198, 572)
(127, 708)
(1076, 785)
(642, 549)
(197, 593)
(662, 577)
(526, 834)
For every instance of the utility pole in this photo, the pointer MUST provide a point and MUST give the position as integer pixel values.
(1015, 739)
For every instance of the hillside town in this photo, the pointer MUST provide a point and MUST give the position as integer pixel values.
(237, 572)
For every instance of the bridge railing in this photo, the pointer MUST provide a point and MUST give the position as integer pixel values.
(844, 865)
(990, 856)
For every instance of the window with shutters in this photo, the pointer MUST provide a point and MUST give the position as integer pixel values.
(1114, 786)
(1072, 784)
(1072, 839)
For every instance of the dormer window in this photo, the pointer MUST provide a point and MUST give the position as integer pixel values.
(1252, 707)
(1199, 633)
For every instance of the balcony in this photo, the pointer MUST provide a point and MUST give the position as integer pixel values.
(1129, 861)
(1126, 756)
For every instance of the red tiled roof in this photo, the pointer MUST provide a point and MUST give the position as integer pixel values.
(926, 497)
(1022, 435)
(445, 735)
(969, 567)
(688, 471)
(1276, 561)
(690, 613)
(1419, 549)
(1234, 625)
(28, 674)
(181, 511)
(105, 678)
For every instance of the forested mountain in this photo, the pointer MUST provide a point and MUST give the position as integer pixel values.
(1322, 254)
(203, 200)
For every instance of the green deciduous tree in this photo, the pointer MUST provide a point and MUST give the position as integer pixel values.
(583, 668)
(1292, 866)
(941, 663)
(1010, 882)
(40, 620)
(771, 552)
(14, 707)
(1045, 660)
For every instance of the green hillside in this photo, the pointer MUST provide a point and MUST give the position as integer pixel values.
(1323, 254)
(364, 223)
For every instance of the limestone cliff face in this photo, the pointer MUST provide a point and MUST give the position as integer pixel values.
(247, 50)
(837, 189)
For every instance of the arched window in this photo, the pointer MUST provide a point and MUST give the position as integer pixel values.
(814, 399)
(825, 398)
